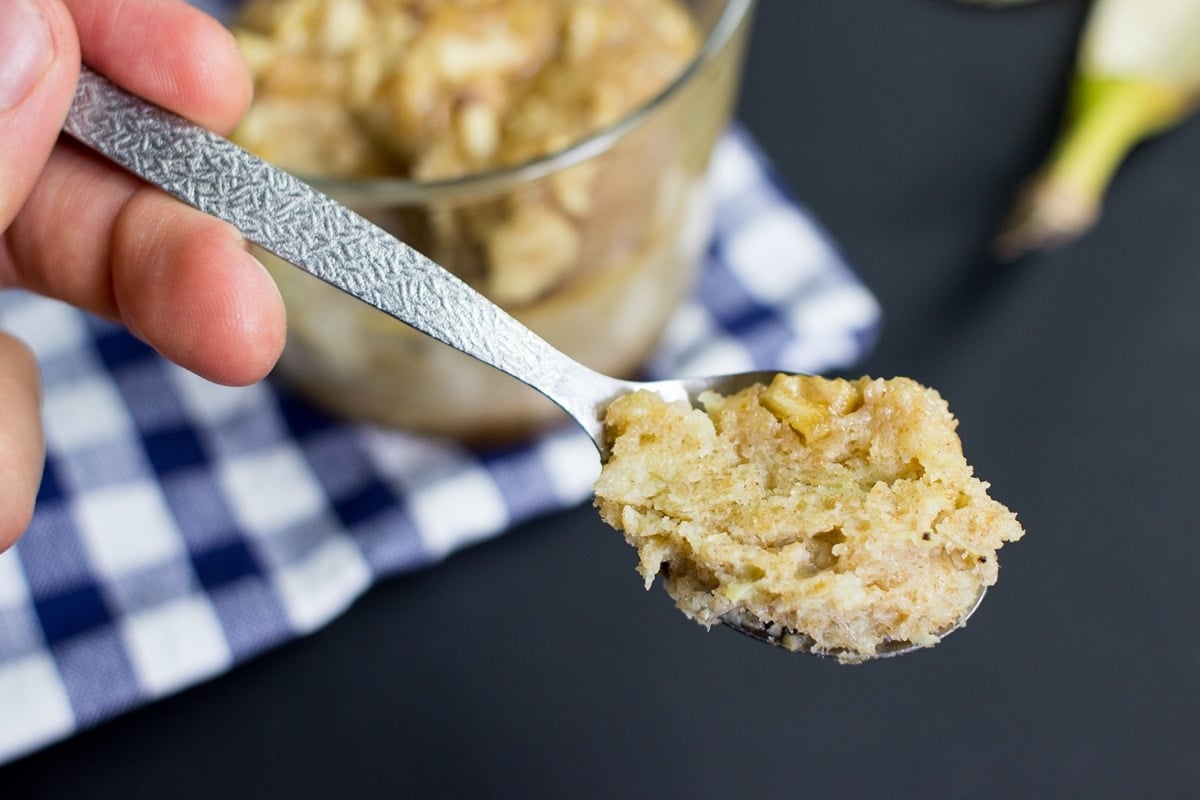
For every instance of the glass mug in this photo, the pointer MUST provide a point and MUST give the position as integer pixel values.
(631, 252)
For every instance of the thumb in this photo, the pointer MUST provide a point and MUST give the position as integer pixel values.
(39, 66)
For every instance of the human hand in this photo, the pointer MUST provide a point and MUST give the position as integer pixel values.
(80, 230)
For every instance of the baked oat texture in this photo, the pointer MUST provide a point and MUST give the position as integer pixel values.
(844, 510)
(433, 90)
(436, 89)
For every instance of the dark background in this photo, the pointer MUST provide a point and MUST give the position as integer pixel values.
(533, 666)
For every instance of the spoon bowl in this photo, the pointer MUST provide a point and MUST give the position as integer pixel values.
(769, 633)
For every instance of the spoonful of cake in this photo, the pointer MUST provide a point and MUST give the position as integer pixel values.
(824, 516)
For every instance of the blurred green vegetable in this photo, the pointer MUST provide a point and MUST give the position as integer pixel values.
(1138, 74)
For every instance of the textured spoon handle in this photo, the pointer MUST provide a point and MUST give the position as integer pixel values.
(304, 227)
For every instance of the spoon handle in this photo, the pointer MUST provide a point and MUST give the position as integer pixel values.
(289, 218)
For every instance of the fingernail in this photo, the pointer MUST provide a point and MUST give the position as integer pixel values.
(25, 50)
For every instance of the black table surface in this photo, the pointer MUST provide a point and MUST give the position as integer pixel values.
(534, 666)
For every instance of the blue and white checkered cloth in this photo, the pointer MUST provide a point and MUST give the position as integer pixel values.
(183, 527)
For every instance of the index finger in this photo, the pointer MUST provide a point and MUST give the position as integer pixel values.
(168, 52)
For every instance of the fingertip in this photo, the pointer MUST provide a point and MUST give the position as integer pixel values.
(21, 438)
(214, 61)
(237, 311)
(186, 284)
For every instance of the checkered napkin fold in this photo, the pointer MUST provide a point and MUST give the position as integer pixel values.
(183, 527)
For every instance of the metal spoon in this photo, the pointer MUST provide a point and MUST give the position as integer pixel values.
(306, 228)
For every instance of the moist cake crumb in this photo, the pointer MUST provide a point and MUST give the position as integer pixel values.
(841, 510)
